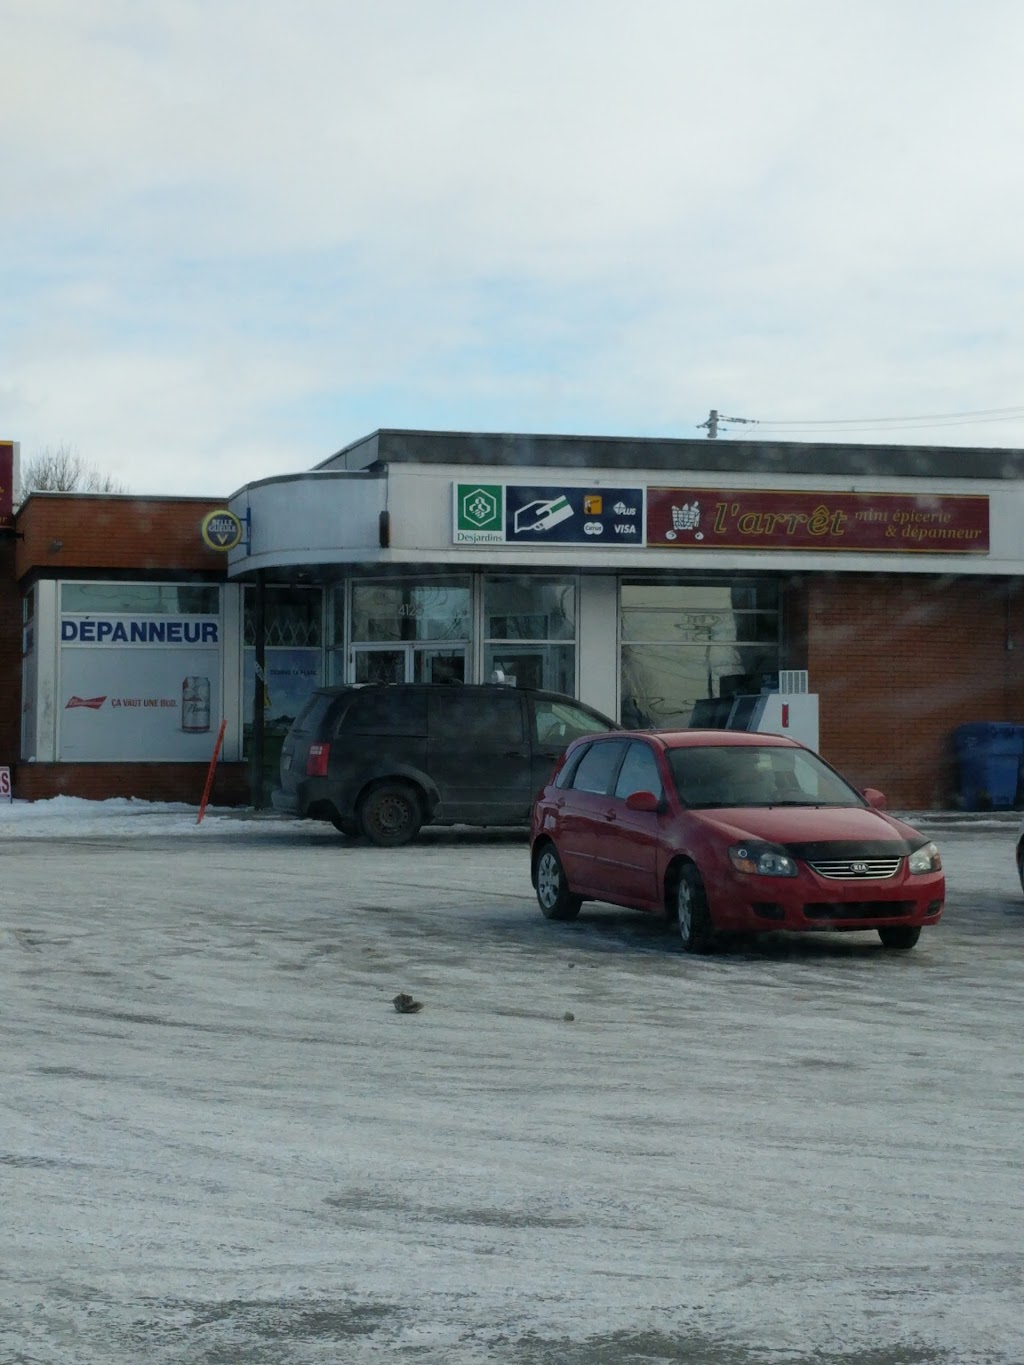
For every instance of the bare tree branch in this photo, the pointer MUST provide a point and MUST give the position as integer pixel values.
(60, 469)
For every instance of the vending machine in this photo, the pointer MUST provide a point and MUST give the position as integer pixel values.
(791, 710)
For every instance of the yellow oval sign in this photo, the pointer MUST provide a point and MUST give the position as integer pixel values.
(222, 530)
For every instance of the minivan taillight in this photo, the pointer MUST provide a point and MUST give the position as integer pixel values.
(316, 760)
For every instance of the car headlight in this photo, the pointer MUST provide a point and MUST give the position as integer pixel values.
(762, 860)
(925, 859)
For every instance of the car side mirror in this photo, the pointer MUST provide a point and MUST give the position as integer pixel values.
(643, 801)
(875, 798)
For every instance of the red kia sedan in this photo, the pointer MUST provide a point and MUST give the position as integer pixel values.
(726, 831)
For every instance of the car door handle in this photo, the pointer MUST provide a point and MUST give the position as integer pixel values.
(516, 753)
(609, 815)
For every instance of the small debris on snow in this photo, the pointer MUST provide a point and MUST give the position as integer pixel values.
(405, 1004)
(568, 1016)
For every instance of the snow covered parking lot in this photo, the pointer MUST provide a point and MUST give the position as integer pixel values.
(221, 1143)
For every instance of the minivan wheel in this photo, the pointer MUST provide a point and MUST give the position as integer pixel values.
(555, 899)
(390, 815)
(693, 918)
(899, 936)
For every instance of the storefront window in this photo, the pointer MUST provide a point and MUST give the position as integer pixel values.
(338, 615)
(141, 599)
(137, 684)
(293, 631)
(683, 642)
(435, 609)
(29, 675)
(292, 616)
(524, 617)
(524, 608)
(28, 629)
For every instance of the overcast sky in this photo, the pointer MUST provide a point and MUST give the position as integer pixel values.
(236, 236)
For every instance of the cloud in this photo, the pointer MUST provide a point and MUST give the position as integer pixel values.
(237, 236)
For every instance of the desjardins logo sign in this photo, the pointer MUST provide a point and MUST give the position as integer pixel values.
(478, 513)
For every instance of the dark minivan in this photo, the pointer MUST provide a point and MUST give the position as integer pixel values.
(384, 760)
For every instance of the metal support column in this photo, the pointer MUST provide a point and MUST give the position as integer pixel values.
(259, 693)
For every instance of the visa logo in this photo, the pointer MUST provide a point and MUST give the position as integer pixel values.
(625, 528)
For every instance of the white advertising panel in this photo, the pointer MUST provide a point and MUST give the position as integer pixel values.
(139, 689)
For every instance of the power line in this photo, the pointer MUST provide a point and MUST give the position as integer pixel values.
(921, 421)
(992, 414)
(907, 425)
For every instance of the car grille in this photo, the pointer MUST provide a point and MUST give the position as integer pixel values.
(856, 869)
(858, 910)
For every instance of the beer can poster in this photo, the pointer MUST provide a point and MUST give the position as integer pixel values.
(139, 688)
(195, 704)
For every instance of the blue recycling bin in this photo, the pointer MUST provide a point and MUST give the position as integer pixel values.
(989, 760)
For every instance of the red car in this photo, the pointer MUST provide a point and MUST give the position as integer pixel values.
(727, 831)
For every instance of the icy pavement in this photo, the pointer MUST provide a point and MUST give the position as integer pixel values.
(222, 1144)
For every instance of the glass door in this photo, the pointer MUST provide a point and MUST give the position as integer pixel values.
(435, 665)
(408, 663)
(375, 665)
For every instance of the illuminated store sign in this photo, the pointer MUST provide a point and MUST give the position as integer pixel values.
(756, 519)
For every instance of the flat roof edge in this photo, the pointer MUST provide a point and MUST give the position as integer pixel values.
(393, 445)
(302, 475)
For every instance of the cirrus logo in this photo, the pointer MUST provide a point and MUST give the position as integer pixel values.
(593, 528)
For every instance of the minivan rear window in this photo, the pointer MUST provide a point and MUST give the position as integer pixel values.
(309, 719)
(392, 711)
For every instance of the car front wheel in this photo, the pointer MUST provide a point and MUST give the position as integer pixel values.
(693, 918)
(899, 936)
(1020, 865)
(555, 899)
(390, 815)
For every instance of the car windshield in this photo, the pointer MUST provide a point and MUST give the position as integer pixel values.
(752, 775)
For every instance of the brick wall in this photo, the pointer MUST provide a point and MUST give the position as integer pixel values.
(68, 533)
(10, 655)
(105, 531)
(898, 662)
(147, 781)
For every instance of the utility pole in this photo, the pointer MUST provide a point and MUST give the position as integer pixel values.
(714, 419)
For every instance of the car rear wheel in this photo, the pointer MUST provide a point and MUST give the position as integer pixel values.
(1020, 865)
(390, 815)
(693, 918)
(899, 936)
(555, 899)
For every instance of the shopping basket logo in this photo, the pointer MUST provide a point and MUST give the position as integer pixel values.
(685, 518)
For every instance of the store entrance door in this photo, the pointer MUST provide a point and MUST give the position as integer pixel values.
(408, 663)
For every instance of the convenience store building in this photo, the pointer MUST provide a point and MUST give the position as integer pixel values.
(643, 576)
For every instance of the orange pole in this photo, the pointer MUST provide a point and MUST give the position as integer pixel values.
(209, 775)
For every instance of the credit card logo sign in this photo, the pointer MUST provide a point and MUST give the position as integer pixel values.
(541, 515)
(593, 505)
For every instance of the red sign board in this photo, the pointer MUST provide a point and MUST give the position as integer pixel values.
(6, 483)
(756, 519)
